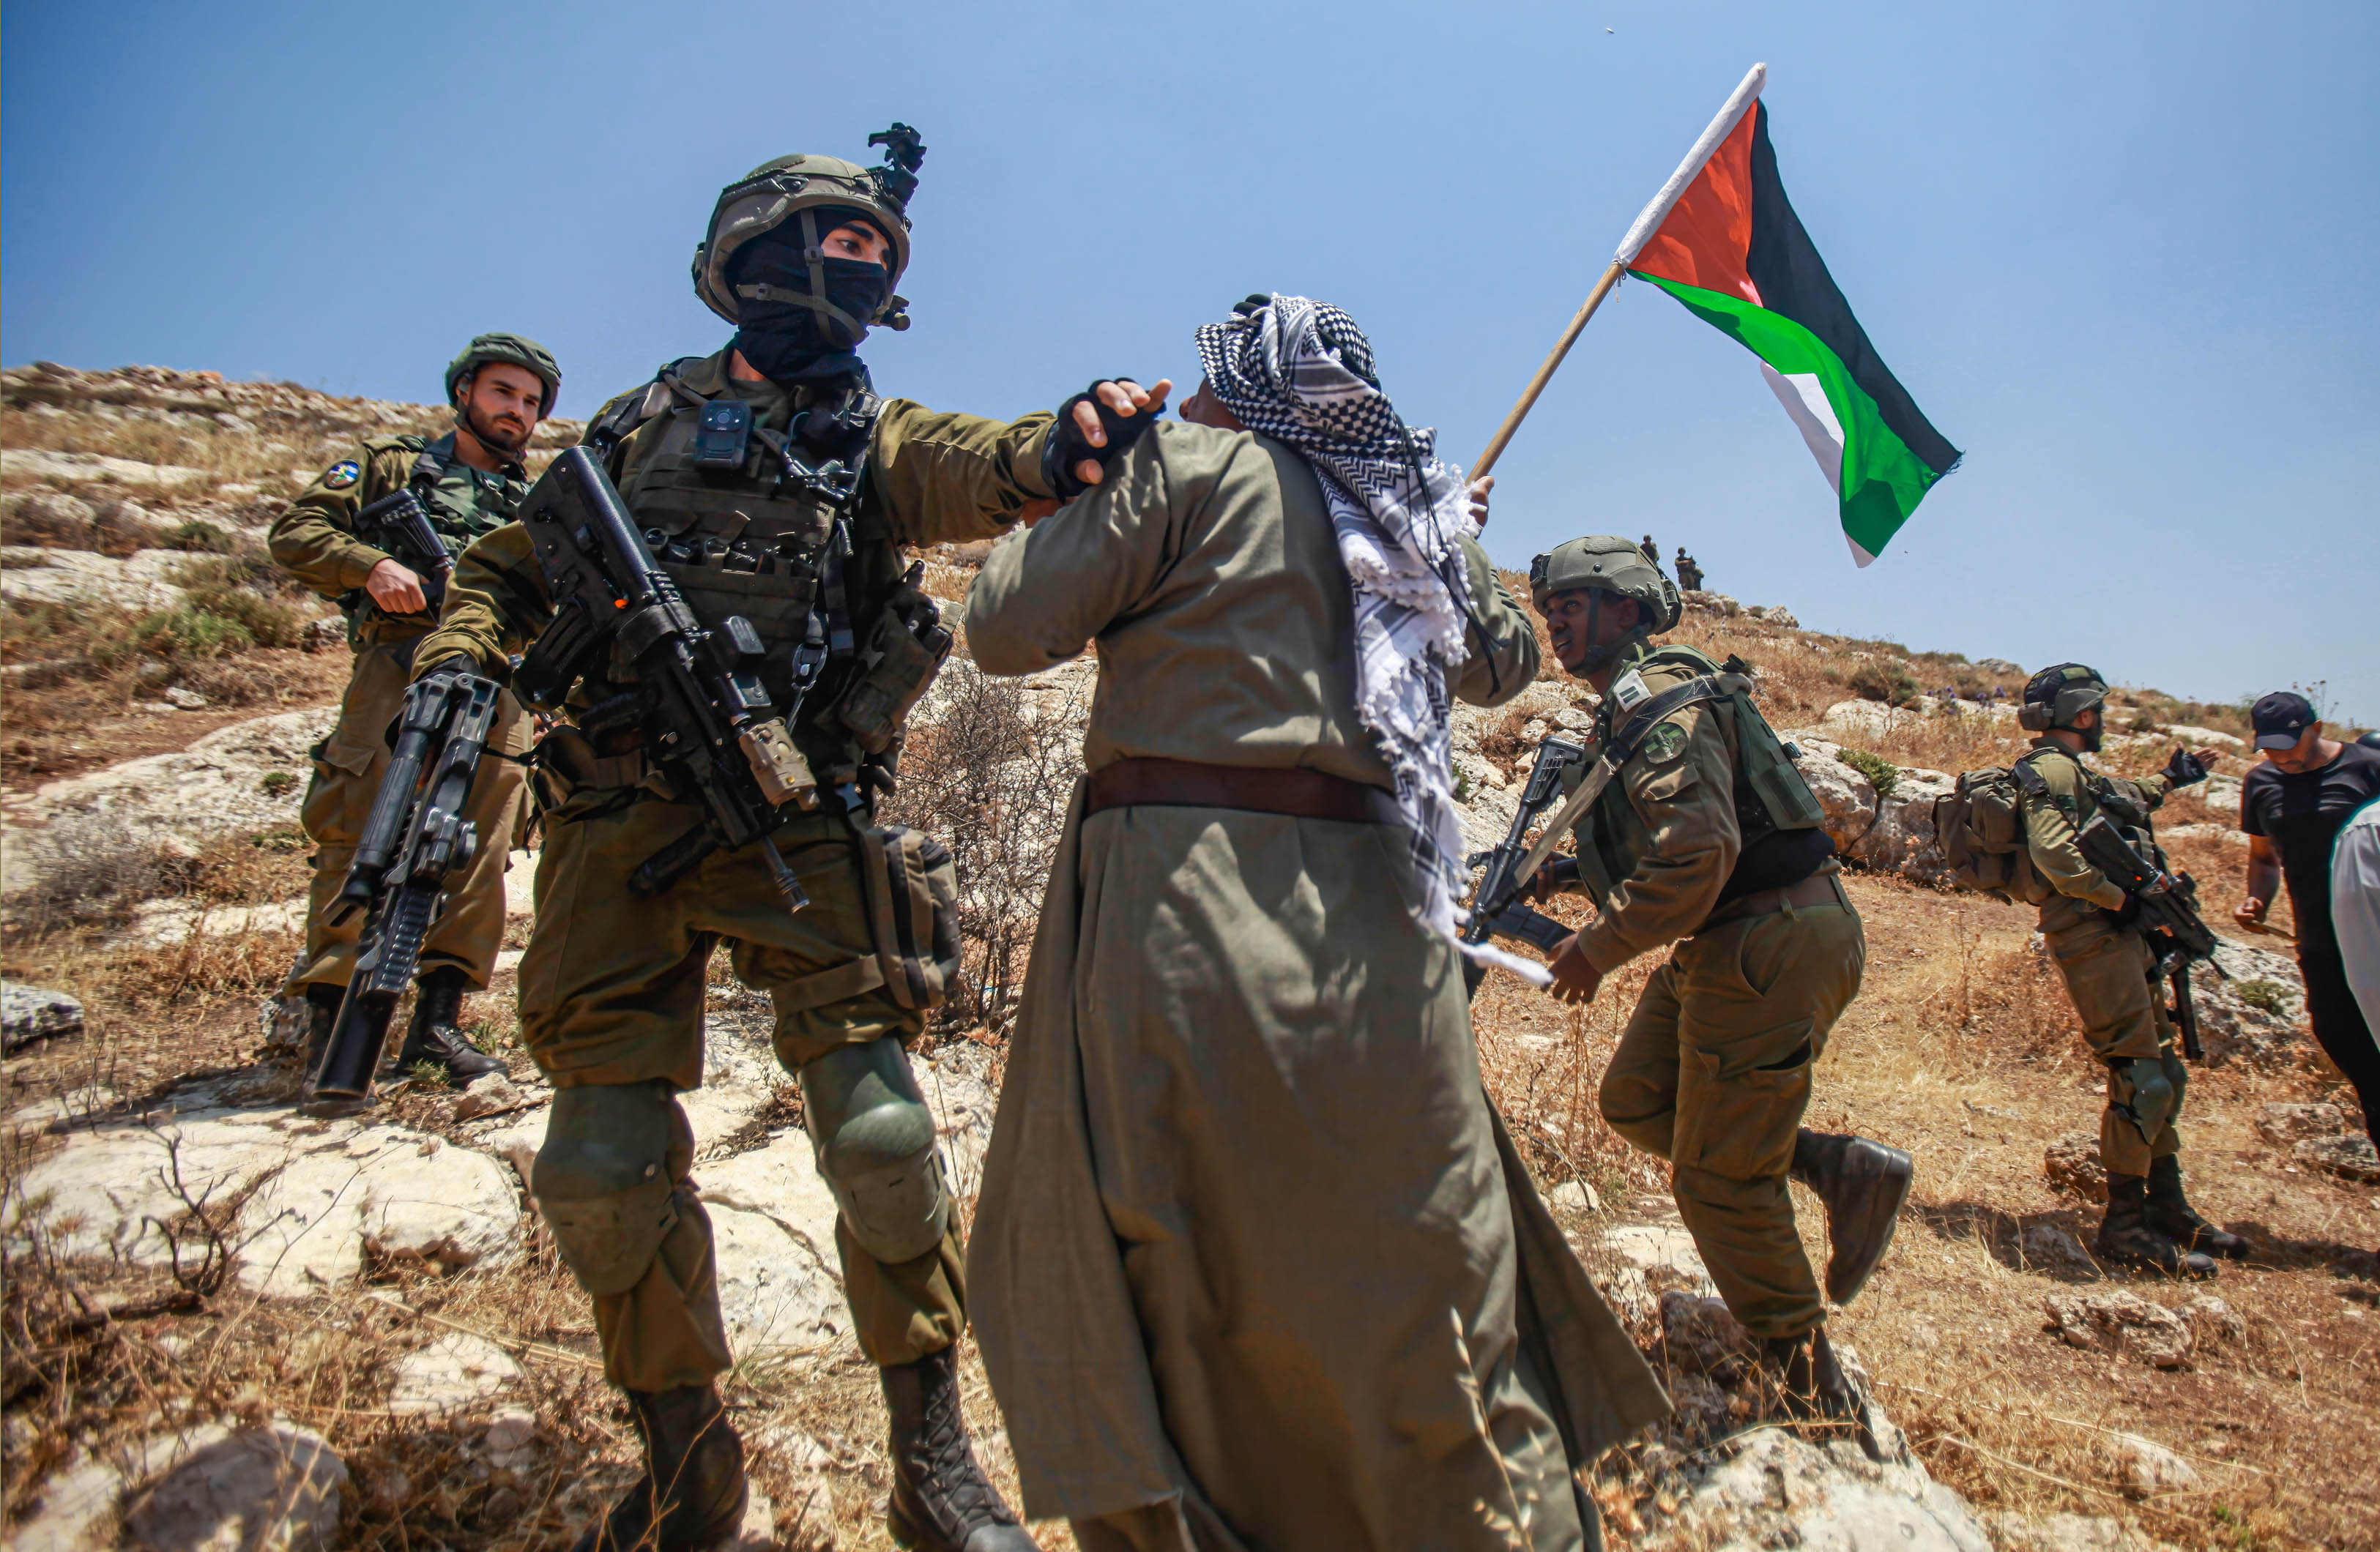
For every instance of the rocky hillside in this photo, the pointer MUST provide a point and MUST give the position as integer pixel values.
(358, 1331)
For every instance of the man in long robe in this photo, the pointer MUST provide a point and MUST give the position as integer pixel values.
(1255, 1263)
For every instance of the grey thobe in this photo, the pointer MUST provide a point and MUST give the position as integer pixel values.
(1254, 1265)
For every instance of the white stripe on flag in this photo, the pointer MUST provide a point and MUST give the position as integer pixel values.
(1805, 398)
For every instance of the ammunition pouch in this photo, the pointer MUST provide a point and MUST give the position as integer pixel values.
(899, 661)
(606, 1181)
(911, 886)
(874, 1140)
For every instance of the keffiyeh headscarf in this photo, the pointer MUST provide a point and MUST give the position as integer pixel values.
(1301, 371)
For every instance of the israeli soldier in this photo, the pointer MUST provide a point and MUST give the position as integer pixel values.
(1690, 573)
(1707, 837)
(2110, 971)
(771, 484)
(468, 481)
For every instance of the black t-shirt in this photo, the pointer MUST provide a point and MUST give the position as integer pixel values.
(2303, 813)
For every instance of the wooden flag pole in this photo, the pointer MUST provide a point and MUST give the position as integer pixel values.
(1648, 221)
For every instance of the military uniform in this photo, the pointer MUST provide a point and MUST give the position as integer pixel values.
(1690, 573)
(315, 540)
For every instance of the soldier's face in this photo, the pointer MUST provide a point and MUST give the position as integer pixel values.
(1577, 625)
(500, 403)
(857, 240)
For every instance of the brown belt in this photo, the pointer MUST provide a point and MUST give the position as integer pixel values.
(1300, 794)
(1818, 889)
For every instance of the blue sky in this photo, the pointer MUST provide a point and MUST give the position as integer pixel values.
(2114, 250)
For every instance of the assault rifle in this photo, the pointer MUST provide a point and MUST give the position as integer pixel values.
(400, 525)
(698, 700)
(415, 844)
(2168, 906)
(1495, 904)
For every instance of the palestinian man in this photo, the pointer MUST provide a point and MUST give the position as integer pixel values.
(1254, 1264)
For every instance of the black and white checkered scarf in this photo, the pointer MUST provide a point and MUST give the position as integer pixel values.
(1301, 371)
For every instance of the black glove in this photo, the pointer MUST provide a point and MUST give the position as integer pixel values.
(1067, 445)
(2184, 768)
(2129, 912)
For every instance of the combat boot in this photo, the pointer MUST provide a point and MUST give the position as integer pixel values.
(2126, 1238)
(691, 1495)
(321, 1018)
(434, 1034)
(2171, 1215)
(1863, 1184)
(1810, 1382)
(940, 1501)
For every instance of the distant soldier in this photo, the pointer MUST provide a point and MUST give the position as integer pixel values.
(1690, 573)
(1708, 839)
(2089, 925)
(468, 481)
(1652, 552)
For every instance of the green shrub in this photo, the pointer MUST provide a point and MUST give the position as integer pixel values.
(267, 621)
(185, 634)
(1887, 681)
(1881, 773)
(276, 783)
(203, 538)
(2267, 995)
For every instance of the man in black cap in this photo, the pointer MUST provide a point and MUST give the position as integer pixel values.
(2293, 806)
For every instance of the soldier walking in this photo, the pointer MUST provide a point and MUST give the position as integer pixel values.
(1707, 838)
(2092, 929)
(468, 481)
(778, 491)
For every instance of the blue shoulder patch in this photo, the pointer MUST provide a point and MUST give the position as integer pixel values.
(339, 476)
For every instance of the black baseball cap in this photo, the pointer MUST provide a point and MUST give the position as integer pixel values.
(2281, 719)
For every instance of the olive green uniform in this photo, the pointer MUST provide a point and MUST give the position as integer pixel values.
(612, 985)
(1713, 1070)
(315, 540)
(2110, 969)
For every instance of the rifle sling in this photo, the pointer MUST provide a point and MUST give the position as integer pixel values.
(1617, 752)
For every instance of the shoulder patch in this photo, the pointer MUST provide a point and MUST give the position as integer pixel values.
(341, 475)
(1664, 743)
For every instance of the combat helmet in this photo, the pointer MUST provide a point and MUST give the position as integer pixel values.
(517, 350)
(2057, 695)
(778, 190)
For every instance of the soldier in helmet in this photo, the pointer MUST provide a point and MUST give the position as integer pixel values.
(468, 481)
(1707, 837)
(1689, 570)
(2091, 928)
(775, 487)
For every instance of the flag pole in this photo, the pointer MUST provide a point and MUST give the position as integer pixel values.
(1648, 221)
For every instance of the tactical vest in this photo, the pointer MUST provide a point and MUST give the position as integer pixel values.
(752, 541)
(2127, 806)
(1778, 816)
(458, 517)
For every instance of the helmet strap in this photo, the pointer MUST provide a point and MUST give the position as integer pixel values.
(814, 255)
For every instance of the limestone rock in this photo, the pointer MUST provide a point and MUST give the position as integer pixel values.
(1708, 602)
(2204, 738)
(1776, 614)
(2062, 1533)
(454, 1371)
(74, 1512)
(775, 1294)
(94, 468)
(182, 699)
(1575, 1196)
(2284, 1124)
(2147, 1468)
(1699, 1335)
(143, 580)
(325, 634)
(2221, 794)
(1846, 795)
(2073, 1165)
(30, 1013)
(2349, 1155)
(270, 1489)
(510, 1440)
(2050, 1248)
(2212, 1322)
(1902, 840)
(1770, 1487)
(1865, 719)
(491, 1096)
(2123, 1323)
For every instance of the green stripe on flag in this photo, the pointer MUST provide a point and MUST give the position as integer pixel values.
(1882, 479)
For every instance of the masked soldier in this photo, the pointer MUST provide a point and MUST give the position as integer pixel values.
(468, 482)
(1707, 837)
(2090, 927)
(777, 489)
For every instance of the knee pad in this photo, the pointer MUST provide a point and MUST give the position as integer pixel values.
(2146, 1092)
(874, 1140)
(605, 1183)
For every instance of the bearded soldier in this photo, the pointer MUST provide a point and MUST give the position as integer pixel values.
(2092, 931)
(1258, 1266)
(776, 490)
(468, 482)
(1707, 838)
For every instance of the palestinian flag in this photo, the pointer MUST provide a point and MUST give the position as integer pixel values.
(1733, 251)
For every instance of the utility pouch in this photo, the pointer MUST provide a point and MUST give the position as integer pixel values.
(903, 653)
(912, 886)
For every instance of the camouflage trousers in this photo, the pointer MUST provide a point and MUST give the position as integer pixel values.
(2106, 970)
(349, 766)
(611, 995)
(1713, 1073)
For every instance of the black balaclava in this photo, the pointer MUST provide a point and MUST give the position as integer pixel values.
(787, 331)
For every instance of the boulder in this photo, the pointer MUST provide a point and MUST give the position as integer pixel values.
(1708, 602)
(268, 1489)
(2123, 1323)
(325, 634)
(2221, 794)
(1846, 795)
(2062, 1533)
(30, 1013)
(2283, 1125)
(144, 580)
(2052, 1249)
(93, 469)
(1902, 840)
(1865, 719)
(2349, 1155)
(2204, 737)
(1698, 1335)
(2146, 1468)
(1771, 1487)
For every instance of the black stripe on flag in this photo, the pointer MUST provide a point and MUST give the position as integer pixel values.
(1793, 281)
